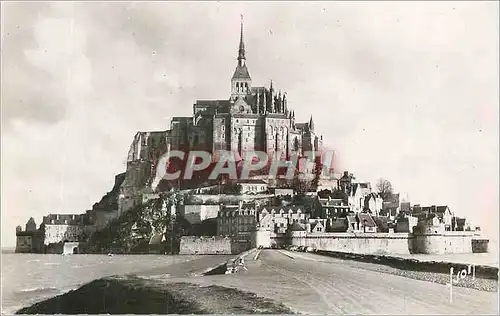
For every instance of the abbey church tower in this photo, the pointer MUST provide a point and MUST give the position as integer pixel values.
(241, 83)
(252, 118)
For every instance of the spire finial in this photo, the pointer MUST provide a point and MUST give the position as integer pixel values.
(241, 51)
(311, 123)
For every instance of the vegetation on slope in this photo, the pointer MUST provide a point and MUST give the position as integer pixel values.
(134, 230)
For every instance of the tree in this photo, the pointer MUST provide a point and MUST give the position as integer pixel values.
(301, 185)
(318, 170)
(384, 188)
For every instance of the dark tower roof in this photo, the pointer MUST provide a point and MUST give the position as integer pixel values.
(241, 50)
(241, 71)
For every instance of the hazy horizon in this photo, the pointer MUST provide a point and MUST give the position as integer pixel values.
(402, 91)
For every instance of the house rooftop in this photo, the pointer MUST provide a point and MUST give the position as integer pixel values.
(251, 181)
(366, 219)
(296, 227)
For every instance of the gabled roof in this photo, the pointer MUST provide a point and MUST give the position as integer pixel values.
(182, 118)
(460, 221)
(371, 196)
(442, 209)
(366, 219)
(438, 210)
(359, 185)
(296, 227)
(213, 103)
(286, 209)
(212, 106)
(301, 126)
(315, 224)
(252, 181)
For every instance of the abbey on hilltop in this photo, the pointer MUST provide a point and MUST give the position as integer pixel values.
(252, 118)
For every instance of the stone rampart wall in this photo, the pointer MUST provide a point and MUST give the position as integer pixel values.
(387, 243)
(191, 245)
(443, 243)
(366, 243)
(480, 245)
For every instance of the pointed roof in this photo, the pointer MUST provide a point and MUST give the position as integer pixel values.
(241, 50)
(241, 71)
(366, 219)
(311, 123)
(296, 227)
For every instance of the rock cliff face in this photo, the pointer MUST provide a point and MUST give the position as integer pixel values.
(110, 200)
(150, 227)
(144, 153)
(120, 211)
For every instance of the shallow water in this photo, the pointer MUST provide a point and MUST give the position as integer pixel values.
(29, 278)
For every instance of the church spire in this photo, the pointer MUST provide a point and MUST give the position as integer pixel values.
(241, 50)
(241, 83)
(311, 124)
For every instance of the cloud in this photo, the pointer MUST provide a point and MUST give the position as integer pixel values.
(29, 92)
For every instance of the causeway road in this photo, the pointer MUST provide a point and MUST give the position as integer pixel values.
(312, 284)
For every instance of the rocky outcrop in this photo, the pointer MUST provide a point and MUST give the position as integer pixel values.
(142, 160)
(110, 200)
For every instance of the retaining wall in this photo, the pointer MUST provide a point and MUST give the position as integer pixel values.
(387, 243)
(368, 243)
(443, 243)
(480, 245)
(191, 245)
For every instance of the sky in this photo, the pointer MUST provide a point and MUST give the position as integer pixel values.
(402, 91)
